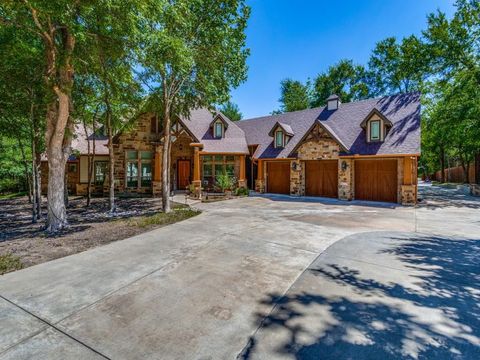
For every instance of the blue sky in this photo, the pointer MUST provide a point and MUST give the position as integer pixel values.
(299, 39)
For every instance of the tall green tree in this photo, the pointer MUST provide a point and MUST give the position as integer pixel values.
(232, 111)
(294, 95)
(397, 67)
(66, 31)
(345, 79)
(193, 55)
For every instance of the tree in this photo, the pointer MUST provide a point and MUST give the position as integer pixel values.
(192, 56)
(232, 111)
(294, 95)
(344, 79)
(65, 30)
(22, 104)
(397, 67)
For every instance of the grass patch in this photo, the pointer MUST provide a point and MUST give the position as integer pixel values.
(177, 214)
(9, 263)
(12, 195)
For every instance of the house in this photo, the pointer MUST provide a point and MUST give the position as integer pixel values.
(77, 164)
(366, 150)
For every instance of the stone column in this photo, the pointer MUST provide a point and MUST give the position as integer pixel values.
(260, 181)
(242, 181)
(409, 183)
(346, 179)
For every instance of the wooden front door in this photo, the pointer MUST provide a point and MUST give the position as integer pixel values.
(376, 180)
(321, 178)
(183, 174)
(278, 177)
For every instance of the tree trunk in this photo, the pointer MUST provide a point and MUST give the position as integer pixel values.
(90, 161)
(442, 165)
(166, 160)
(111, 172)
(38, 178)
(25, 169)
(59, 75)
(34, 181)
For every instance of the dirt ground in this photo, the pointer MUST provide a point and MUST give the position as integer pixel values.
(89, 227)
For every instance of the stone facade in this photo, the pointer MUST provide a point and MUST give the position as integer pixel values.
(260, 186)
(317, 145)
(409, 193)
(346, 179)
(140, 138)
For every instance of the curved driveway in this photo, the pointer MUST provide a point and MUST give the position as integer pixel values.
(200, 289)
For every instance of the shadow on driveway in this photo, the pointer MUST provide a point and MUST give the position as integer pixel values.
(421, 300)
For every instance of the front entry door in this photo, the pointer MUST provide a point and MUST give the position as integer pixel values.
(183, 174)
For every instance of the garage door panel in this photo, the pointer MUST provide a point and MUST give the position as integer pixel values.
(321, 178)
(278, 176)
(376, 180)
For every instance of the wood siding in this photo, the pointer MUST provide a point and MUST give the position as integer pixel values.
(376, 180)
(278, 176)
(321, 178)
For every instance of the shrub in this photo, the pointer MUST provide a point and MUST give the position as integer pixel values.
(225, 182)
(242, 191)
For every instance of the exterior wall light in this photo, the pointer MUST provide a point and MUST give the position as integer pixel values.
(344, 165)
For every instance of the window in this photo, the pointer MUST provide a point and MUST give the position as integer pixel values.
(139, 169)
(218, 130)
(100, 172)
(214, 166)
(279, 139)
(374, 130)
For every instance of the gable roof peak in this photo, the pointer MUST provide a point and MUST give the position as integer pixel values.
(375, 111)
(287, 129)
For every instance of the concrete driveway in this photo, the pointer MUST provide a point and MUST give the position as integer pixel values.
(251, 278)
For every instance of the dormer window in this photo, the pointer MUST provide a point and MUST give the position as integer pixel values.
(374, 130)
(376, 126)
(279, 139)
(218, 130)
(218, 127)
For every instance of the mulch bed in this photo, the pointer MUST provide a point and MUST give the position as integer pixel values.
(88, 227)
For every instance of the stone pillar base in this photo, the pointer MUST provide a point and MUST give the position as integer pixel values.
(409, 194)
(475, 189)
(242, 183)
(197, 189)
(260, 186)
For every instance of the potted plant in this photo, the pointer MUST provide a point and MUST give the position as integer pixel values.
(226, 183)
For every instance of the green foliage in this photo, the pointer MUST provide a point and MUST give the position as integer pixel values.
(345, 79)
(9, 263)
(225, 182)
(294, 95)
(241, 191)
(232, 111)
(397, 67)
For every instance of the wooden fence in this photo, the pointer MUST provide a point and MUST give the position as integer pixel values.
(456, 174)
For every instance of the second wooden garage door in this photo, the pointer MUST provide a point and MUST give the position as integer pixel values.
(321, 178)
(278, 175)
(376, 180)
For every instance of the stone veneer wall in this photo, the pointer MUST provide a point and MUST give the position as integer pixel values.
(346, 179)
(140, 138)
(317, 145)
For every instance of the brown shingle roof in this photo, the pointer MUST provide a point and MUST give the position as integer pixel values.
(198, 124)
(344, 125)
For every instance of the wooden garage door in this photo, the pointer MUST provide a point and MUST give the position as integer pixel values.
(376, 180)
(321, 178)
(278, 176)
